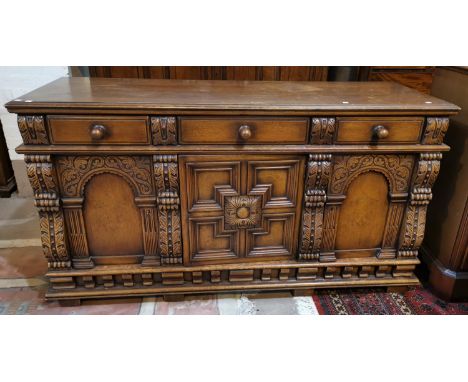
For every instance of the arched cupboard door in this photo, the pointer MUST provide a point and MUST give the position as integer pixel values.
(110, 209)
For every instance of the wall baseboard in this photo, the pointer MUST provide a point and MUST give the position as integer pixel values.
(445, 282)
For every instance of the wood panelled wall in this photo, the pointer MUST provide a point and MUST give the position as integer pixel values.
(415, 77)
(240, 73)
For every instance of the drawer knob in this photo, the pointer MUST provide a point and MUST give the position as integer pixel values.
(97, 132)
(380, 132)
(245, 132)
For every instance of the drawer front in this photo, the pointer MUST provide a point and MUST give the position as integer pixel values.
(243, 130)
(98, 130)
(379, 130)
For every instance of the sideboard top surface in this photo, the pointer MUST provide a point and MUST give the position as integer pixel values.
(265, 96)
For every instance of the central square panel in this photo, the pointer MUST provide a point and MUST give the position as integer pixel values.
(240, 207)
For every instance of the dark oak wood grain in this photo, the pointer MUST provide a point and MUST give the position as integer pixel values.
(174, 187)
(415, 77)
(237, 73)
(132, 95)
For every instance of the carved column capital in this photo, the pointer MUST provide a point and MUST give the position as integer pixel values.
(323, 130)
(435, 130)
(164, 130)
(32, 129)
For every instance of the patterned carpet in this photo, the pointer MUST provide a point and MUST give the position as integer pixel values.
(376, 301)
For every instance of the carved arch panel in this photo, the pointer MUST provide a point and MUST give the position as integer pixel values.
(75, 173)
(328, 201)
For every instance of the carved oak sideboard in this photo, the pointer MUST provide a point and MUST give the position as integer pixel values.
(165, 187)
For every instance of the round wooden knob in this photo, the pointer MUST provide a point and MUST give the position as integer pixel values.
(380, 132)
(245, 132)
(97, 132)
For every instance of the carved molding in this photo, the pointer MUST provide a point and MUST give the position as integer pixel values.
(167, 187)
(329, 227)
(166, 173)
(396, 168)
(435, 130)
(412, 234)
(150, 230)
(76, 232)
(41, 174)
(316, 185)
(241, 211)
(393, 224)
(204, 277)
(323, 130)
(164, 130)
(77, 171)
(32, 129)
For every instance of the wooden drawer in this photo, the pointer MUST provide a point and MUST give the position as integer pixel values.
(106, 130)
(366, 130)
(230, 130)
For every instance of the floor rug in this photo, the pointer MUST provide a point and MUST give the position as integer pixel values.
(416, 300)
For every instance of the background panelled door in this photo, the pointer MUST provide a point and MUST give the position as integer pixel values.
(241, 208)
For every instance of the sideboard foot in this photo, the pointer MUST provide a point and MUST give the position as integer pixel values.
(303, 292)
(397, 289)
(173, 297)
(70, 302)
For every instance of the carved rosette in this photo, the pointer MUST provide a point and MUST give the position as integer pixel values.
(164, 130)
(32, 129)
(424, 177)
(435, 131)
(41, 174)
(323, 130)
(167, 186)
(241, 212)
(318, 177)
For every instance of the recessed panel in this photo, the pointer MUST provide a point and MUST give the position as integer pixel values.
(208, 181)
(277, 180)
(210, 242)
(112, 220)
(275, 238)
(363, 214)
